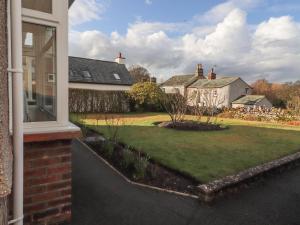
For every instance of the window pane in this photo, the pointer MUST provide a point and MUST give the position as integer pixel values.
(39, 5)
(39, 65)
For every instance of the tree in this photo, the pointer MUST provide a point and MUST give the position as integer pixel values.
(139, 74)
(175, 105)
(146, 95)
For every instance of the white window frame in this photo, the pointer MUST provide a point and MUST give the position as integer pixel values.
(59, 20)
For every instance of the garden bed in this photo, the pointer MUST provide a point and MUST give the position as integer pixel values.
(191, 126)
(154, 174)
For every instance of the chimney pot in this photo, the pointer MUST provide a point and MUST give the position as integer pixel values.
(120, 59)
(199, 71)
(212, 75)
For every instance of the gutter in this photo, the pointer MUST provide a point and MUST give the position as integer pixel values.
(14, 22)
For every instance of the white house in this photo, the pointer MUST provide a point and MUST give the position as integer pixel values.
(211, 90)
(99, 75)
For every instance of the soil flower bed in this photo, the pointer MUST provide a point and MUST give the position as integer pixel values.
(138, 167)
(191, 125)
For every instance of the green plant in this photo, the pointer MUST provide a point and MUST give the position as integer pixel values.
(140, 166)
(108, 149)
(128, 158)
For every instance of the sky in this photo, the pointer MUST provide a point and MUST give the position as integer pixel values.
(252, 39)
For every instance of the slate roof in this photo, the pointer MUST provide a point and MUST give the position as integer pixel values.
(217, 83)
(249, 99)
(180, 80)
(101, 72)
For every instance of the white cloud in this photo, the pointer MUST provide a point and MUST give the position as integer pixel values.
(148, 2)
(267, 50)
(83, 11)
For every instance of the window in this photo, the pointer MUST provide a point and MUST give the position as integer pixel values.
(247, 90)
(86, 74)
(39, 65)
(39, 5)
(117, 77)
(215, 93)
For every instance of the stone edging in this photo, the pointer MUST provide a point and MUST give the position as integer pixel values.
(135, 183)
(210, 191)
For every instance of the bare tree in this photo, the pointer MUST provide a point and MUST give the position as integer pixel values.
(175, 105)
(139, 74)
(113, 123)
(211, 101)
(196, 108)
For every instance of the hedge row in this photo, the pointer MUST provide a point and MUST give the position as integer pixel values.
(90, 101)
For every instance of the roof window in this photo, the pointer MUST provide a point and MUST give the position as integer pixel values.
(86, 74)
(117, 77)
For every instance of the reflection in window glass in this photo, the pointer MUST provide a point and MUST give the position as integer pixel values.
(39, 5)
(39, 65)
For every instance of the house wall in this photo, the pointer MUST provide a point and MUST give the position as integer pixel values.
(99, 87)
(5, 143)
(47, 182)
(171, 89)
(236, 90)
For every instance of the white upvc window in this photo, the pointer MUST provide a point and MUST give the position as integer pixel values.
(45, 66)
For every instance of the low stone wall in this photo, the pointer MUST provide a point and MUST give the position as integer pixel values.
(47, 182)
(217, 188)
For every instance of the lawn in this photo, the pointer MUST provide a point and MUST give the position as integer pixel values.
(209, 155)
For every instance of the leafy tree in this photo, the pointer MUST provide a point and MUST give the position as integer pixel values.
(146, 95)
(139, 74)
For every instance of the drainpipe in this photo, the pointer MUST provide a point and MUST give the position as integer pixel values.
(16, 70)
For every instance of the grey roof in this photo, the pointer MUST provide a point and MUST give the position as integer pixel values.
(249, 99)
(217, 83)
(180, 80)
(82, 70)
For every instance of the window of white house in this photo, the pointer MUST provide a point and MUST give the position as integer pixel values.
(215, 93)
(247, 90)
(39, 5)
(39, 65)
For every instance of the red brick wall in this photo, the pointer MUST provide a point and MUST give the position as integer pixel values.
(47, 183)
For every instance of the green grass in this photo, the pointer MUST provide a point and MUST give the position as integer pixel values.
(206, 156)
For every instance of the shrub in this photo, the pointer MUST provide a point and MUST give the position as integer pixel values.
(146, 96)
(128, 158)
(140, 166)
(108, 149)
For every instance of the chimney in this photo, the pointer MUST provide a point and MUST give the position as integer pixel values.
(153, 80)
(212, 75)
(199, 71)
(120, 59)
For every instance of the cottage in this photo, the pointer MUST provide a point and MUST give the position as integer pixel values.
(212, 91)
(99, 75)
(252, 101)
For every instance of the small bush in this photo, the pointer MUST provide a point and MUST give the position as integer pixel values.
(108, 149)
(140, 166)
(128, 158)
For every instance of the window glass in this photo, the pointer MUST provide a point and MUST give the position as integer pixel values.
(39, 5)
(39, 65)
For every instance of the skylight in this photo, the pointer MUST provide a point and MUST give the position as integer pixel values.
(86, 74)
(117, 77)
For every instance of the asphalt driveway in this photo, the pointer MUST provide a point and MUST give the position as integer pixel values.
(101, 197)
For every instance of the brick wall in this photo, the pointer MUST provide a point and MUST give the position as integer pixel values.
(47, 182)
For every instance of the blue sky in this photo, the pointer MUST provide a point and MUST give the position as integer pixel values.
(157, 33)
